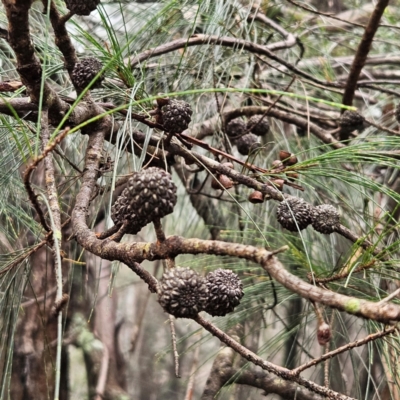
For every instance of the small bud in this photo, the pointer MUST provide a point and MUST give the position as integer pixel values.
(284, 155)
(225, 181)
(277, 183)
(222, 180)
(256, 197)
(324, 334)
(292, 160)
(277, 164)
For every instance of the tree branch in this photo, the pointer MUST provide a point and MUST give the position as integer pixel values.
(283, 373)
(361, 56)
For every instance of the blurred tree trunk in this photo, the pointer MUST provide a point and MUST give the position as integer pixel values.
(35, 337)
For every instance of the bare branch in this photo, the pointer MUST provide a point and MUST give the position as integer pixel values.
(344, 348)
(361, 55)
(255, 359)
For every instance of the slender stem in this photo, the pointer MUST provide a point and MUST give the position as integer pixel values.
(284, 373)
(56, 248)
(344, 348)
(361, 57)
(174, 347)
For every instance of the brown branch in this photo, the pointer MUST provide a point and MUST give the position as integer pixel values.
(218, 168)
(49, 170)
(283, 373)
(26, 109)
(224, 373)
(28, 64)
(290, 39)
(62, 39)
(222, 369)
(109, 232)
(382, 128)
(363, 242)
(20, 107)
(361, 55)
(175, 245)
(174, 346)
(197, 40)
(344, 348)
(27, 174)
(159, 230)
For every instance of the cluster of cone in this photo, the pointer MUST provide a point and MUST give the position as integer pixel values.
(184, 293)
(295, 214)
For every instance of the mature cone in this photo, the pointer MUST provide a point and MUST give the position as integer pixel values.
(225, 292)
(258, 125)
(182, 292)
(294, 210)
(150, 195)
(235, 128)
(121, 212)
(351, 120)
(176, 116)
(84, 72)
(82, 7)
(325, 218)
(247, 143)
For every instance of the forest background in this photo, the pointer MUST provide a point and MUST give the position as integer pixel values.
(284, 153)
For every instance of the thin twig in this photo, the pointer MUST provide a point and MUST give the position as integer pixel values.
(361, 56)
(159, 230)
(284, 373)
(174, 347)
(344, 348)
(390, 297)
(27, 174)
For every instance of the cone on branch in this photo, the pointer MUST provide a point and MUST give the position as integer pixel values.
(235, 128)
(351, 121)
(182, 292)
(225, 292)
(85, 71)
(258, 124)
(150, 195)
(176, 116)
(80, 7)
(294, 213)
(325, 218)
(246, 144)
